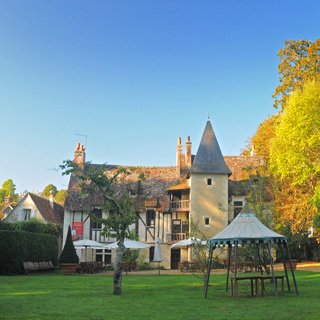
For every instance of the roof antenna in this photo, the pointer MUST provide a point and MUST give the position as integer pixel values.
(83, 135)
(208, 116)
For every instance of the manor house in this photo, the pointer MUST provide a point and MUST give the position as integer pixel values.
(205, 189)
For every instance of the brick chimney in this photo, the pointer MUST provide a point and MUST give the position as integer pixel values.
(80, 155)
(188, 152)
(179, 155)
(51, 199)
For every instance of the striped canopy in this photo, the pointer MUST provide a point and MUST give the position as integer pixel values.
(246, 227)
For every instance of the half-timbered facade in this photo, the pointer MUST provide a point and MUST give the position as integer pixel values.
(197, 189)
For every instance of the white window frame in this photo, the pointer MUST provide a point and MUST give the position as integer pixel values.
(204, 221)
(212, 182)
(26, 214)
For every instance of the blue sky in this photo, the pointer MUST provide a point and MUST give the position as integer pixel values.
(133, 76)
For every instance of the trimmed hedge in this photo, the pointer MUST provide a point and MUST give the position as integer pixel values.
(68, 254)
(17, 247)
(32, 225)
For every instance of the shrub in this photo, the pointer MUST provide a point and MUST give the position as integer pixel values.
(17, 247)
(68, 254)
(34, 226)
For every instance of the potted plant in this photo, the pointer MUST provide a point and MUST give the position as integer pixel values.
(69, 260)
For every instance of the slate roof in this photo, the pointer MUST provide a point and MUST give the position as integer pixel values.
(151, 191)
(209, 158)
(239, 165)
(49, 214)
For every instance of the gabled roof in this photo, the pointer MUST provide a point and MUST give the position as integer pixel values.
(246, 227)
(209, 158)
(50, 214)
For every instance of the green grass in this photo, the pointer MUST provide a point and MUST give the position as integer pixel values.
(54, 296)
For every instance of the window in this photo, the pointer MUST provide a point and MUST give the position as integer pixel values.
(96, 219)
(106, 258)
(151, 253)
(237, 207)
(209, 181)
(206, 221)
(150, 217)
(26, 214)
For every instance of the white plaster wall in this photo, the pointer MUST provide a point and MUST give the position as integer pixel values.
(209, 201)
(18, 213)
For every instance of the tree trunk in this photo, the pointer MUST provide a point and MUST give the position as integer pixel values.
(117, 275)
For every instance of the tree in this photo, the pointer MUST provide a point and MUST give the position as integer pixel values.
(111, 185)
(295, 149)
(50, 188)
(299, 62)
(262, 139)
(8, 189)
(68, 254)
(61, 196)
(294, 158)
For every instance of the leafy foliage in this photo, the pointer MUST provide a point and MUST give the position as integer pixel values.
(295, 162)
(61, 196)
(262, 139)
(295, 149)
(68, 254)
(8, 189)
(299, 63)
(34, 226)
(50, 188)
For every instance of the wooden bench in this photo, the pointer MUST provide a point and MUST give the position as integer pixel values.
(38, 266)
(259, 284)
(270, 278)
(255, 279)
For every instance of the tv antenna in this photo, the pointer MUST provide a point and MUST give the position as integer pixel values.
(85, 136)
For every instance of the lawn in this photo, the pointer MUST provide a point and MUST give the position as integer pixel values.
(54, 296)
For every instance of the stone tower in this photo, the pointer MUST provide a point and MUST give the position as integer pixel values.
(209, 186)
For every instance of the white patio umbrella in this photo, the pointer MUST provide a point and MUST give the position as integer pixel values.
(157, 257)
(188, 242)
(86, 243)
(129, 244)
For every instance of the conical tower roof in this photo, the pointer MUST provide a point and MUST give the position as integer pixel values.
(209, 158)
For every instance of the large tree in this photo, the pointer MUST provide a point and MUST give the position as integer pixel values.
(299, 62)
(294, 157)
(49, 189)
(61, 196)
(111, 185)
(8, 189)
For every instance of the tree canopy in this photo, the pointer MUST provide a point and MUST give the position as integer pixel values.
(295, 148)
(61, 196)
(299, 62)
(50, 188)
(8, 189)
(294, 159)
